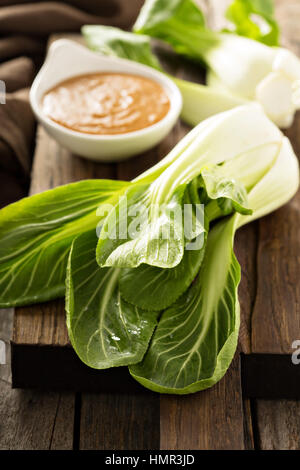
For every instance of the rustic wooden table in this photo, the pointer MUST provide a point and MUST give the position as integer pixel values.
(219, 418)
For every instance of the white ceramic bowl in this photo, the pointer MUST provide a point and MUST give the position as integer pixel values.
(67, 59)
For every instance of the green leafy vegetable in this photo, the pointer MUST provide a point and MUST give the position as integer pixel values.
(104, 329)
(172, 315)
(230, 195)
(36, 234)
(160, 239)
(116, 42)
(196, 337)
(155, 288)
(254, 19)
(154, 13)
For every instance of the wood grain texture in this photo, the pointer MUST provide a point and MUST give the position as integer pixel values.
(212, 419)
(35, 420)
(278, 424)
(249, 433)
(55, 165)
(123, 422)
(43, 324)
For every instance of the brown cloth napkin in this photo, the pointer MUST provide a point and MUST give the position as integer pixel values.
(17, 73)
(16, 137)
(24, 29)
(33, 22)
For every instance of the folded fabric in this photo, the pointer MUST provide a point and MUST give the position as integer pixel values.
(25, 27)
(17, 73)
(17, 45)
(40, 19)
(17, 131)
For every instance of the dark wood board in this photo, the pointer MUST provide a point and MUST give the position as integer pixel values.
(269, 291)
(219, 418)
(34, 420)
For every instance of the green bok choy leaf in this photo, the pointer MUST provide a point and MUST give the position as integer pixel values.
(254, 19)
(196, 337)
(104, 329)
(36, 234)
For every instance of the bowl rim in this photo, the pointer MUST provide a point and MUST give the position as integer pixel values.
(126, 66)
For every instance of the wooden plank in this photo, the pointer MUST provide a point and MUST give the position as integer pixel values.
(35, 421)
(41, 324)
(249, 432)
(212, 419)
(119, 421)
(6, 323)
(277, 422)
(245, 247)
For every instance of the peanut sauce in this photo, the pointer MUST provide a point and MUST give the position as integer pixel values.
(106, 103)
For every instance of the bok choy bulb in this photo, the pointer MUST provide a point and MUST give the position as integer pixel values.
(258, 72)
(239, 65)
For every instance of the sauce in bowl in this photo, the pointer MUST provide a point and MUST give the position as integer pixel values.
(106, 103)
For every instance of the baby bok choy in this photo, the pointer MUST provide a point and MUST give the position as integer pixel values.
(196, 337)
(254, 19)
(150, 284)
(239, 65)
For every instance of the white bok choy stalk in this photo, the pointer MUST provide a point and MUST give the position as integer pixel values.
(161, 240)
(255, 71)
(239, 65)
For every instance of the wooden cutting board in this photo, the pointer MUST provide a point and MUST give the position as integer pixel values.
(268, 251)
